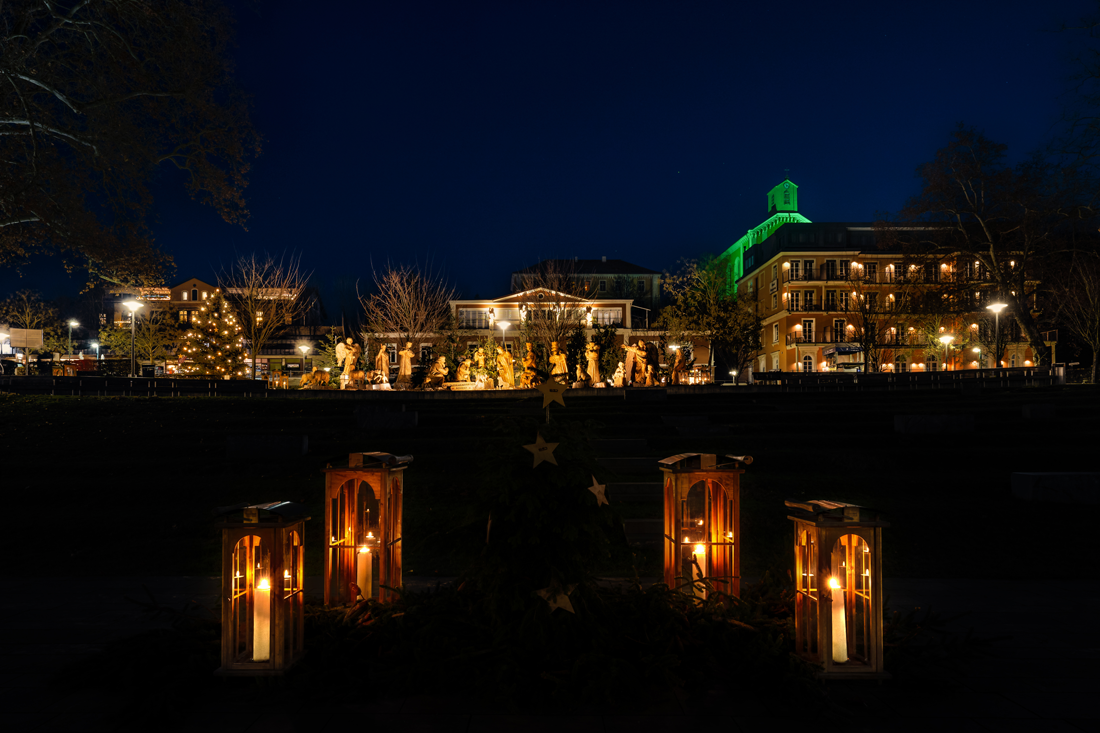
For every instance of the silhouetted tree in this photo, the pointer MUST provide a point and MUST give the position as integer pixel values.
(95, 97)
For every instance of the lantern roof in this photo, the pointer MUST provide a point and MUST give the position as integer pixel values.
(273, 512)
(827, 511)
(371, 460)
(703, 462)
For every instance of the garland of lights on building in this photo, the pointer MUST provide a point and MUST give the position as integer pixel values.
(214, 345)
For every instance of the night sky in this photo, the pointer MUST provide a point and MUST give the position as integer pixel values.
(486, 136)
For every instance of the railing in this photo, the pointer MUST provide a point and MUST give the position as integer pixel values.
(966, 379)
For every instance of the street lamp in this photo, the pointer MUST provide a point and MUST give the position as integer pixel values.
(978, 351)
(997, 308)
(733, 376)
(503, 329)
(133, 305)
(71, 324)
(946, 340)
(95, 345)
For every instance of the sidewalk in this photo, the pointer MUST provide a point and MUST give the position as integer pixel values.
(1044, 678)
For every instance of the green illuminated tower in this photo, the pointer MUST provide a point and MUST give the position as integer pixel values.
(782, 209)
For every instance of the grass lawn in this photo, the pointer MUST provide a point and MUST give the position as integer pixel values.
(126, 486)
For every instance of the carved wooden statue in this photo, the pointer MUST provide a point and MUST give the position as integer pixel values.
(505, 368)
(438, 372)
(530, 378)
(479, 358)
(462, 374)
(382, 363)
(619, 376)
(583, 380)
(592, 354)
(558, 362)
(404, 364)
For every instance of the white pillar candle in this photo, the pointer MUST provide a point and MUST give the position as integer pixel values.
(697, 572)
(840, 628)
(261, 622)
(363, 572)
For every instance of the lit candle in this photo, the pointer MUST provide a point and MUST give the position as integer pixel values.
(363, 572)
(840, 628)
(261, 622)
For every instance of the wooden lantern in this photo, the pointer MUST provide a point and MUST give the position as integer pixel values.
(838, 600)
(262, 562)
(702, 521)
(363, 524)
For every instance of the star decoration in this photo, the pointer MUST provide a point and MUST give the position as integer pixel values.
(557, 597)
(599, 490)
(543, 451)
(552, 392)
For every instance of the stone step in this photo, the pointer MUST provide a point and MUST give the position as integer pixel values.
(701, 429)
(620, 447)
(629, 464)
(681, 420)
(635, 491)
(644, 531)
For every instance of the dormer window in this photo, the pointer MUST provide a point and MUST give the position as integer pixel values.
(185, 295)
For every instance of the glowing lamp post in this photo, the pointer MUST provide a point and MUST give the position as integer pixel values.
(702, 522)
(71, 324)
(997, 308)
(838, 593)
(363, 520)
(262, 564)
(133, 305)
(946, 341)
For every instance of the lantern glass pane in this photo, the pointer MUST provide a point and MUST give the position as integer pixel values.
(251, 604)
(851, 566)
(807, 596)
(367, 513)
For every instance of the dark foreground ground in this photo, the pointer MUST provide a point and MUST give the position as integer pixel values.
(107, 494)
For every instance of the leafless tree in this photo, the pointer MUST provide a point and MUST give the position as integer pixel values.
(267, 294)
(557, 306)
(1078, 303)
(408, 302)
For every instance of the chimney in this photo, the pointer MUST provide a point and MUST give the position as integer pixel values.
(605, 258)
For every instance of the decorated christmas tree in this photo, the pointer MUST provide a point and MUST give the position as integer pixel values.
(214, 346)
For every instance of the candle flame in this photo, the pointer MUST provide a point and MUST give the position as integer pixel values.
(286, 573)
(699, 549)
(264, 585)
(834, 583)
(364, 549)
(370, 535)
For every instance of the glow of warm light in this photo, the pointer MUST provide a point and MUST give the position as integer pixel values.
(286, 573)
(304, 349)
(370, 535)
(947, 339)
(133, 305)
(674, 347)
(699, 549)
(364, 549)
(834, 583)
(996, 307)
(73, 324)
(264, 584)
(798, 327)
(786, 265)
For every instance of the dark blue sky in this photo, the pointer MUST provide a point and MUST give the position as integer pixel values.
(486, 136)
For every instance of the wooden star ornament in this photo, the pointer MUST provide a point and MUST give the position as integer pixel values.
(600, 490)
(543, 451)
(557, 597)
(552, 391)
